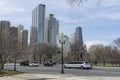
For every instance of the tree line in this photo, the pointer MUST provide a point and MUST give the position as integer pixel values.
(105, 54)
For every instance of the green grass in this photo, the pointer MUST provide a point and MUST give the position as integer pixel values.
(5, 72)
(106, 65)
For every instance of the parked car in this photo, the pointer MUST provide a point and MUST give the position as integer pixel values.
(78, 64)
(24, 63)
(50, 62)
(54, 63)
(34, 64)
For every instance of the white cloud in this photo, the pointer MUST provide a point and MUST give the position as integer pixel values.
(109, 3)
(6, 8)
(66, 19)
(93, 42)
(102, 15)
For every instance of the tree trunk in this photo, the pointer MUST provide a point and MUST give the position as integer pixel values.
(1, 61)
(119, 64)
(15, 63)
(40, 59)
(104, 63)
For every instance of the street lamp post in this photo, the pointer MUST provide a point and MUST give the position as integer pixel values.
(62, 42)
(14, 62)
(81, 54)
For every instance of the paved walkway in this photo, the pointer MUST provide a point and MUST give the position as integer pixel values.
(54, 77)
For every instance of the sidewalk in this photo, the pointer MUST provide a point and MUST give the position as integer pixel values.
(54, 77)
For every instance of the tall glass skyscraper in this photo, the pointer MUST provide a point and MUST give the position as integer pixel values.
(78, 36)
(52, 30)
(38, 19)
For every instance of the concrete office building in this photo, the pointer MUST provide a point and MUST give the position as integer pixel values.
(38, 20)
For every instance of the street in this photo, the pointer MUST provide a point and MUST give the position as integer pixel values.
(95, 71)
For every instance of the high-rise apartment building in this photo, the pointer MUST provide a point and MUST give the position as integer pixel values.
(57, 33)
(24, 39)
(4, 34)
(38, 21)
(33, 35)
(67, 41)
(20, 30)
(51, 30)
(13, 38)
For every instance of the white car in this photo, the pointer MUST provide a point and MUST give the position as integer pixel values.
(34, 64)
(78, 64)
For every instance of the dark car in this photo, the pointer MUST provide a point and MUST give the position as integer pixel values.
(50, 62)
(24, 63)
(54, 63)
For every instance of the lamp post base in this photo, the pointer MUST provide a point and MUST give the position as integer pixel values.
(62, 72)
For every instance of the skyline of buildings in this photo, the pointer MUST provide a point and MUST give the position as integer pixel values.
(13, 37)
(69, 18)
(45, 29)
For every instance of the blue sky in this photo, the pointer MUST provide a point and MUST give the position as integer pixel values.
(99, 19)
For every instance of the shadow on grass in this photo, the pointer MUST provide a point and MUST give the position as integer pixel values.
(6, 72)
(42, 79)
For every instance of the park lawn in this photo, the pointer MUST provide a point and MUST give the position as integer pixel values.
(5, 72)
(106, 65)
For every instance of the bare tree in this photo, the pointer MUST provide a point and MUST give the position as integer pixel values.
(105, 54)
(78, 2)
(1, 52)
(115, 56)
(43, 52)
(13, 45)
(73, 53)
(4, 47)
(98, 53)
(50, 51)
(78, 52)
(117, 42)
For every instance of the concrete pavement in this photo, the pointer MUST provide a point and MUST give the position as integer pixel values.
(54, 77)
